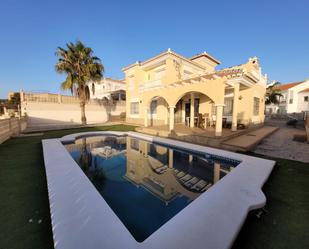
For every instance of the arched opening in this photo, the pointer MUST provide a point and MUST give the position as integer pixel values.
(157, 111)
(194, 109)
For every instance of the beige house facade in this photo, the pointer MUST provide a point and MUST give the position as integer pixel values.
(169, 89)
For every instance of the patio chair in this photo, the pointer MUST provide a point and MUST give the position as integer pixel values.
(200, 121)
(206, 120)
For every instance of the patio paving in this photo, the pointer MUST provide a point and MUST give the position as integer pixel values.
(251, 139)
(197, 135)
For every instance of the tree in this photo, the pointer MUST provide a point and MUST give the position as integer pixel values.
(81, 66)
(273, 93)
(14, 101)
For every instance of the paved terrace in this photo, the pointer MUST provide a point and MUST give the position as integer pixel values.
(240, 140)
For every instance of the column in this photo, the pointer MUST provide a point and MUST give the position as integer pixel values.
(146, 117)
(216, 172)
(166, 115)
(22, 96)
(171, 108)
(219, 111)
(235, 107)
(192, 110)
(183, 112)
(170, 158)
(59, 98)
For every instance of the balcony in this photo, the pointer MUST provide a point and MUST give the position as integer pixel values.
(150, 85)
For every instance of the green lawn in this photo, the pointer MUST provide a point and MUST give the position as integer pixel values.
(24, 200)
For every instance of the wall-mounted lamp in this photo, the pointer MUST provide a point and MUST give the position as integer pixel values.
(240, 97)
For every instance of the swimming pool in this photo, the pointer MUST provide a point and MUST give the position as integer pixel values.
(145, 183)
(157, 193)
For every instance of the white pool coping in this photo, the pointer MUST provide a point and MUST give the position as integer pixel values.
(82, 219)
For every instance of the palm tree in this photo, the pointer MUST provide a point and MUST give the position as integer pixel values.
(81, 66)
(273, 93)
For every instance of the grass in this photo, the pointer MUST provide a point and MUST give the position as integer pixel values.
(24, 207)
(284, 224)
(23, 191)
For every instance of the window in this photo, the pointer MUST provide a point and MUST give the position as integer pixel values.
(134, 144)
(159, 74)
(228, 108)
(196, 107)
(134, 108)
(153, 107)
(256, 106)
(306, 98)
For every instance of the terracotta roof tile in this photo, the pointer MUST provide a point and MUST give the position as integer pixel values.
(288, 85)
(305, 90)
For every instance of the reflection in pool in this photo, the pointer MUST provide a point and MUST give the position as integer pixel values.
(146, 184)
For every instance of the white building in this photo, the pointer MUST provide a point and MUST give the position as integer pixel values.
(105, 88)
(295, 98)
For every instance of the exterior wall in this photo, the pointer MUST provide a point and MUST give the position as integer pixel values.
(48, 110)
(298, 104)
(144, 84)
(105, 88)
(246, 103)
(302, 105)
(10, 127)
(307, 127)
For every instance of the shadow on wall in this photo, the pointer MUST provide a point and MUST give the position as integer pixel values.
(44, 122)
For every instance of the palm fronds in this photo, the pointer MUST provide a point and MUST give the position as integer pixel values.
(81, 66)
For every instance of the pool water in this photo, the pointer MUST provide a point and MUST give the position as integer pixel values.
(146, 184)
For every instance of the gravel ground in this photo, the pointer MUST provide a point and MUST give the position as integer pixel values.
(281, 145)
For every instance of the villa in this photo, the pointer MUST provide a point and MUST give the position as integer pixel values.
(170, 89)
(106, 88)
(294, 99)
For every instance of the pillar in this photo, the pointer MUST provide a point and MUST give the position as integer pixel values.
(192, 110)
(170, 158)
(235, 107)
(171, 108)
(146, 117)
(216, 172)
(166, 115)
(219, 111)
(183, 112)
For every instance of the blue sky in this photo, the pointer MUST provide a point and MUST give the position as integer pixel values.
(122, 32)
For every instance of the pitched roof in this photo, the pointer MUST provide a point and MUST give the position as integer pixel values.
(205, 55)
(287, 86)
(305, 90)
(169, 51)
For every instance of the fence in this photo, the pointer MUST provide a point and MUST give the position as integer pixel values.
(46, 110)
(10, 127)
(58, 98)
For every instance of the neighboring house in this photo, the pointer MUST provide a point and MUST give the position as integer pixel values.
(170, 88)
(106, 88)
(295, 98)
